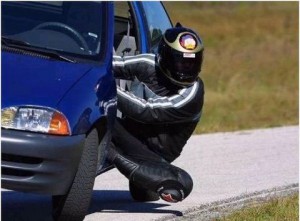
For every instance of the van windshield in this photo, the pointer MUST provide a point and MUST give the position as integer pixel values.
(72, 29)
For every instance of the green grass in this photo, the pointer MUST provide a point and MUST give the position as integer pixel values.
(251, 59)
(282, 209)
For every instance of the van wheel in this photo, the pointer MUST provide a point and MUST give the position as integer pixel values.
(74, 205)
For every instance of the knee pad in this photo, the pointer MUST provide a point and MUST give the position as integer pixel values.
(176, 190)
(170, 182)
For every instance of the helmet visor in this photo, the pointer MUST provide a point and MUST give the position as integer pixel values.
(185, 67)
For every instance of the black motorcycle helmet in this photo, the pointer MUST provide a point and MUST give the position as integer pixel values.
(180, 55)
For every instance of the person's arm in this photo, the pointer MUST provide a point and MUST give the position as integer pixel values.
(128, 67)
(183, 107)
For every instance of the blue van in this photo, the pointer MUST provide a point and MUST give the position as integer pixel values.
(59, 95)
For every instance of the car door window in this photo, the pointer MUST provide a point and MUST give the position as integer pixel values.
(157, 21)
(125, 38)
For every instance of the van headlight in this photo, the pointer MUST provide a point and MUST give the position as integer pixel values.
(36, 119)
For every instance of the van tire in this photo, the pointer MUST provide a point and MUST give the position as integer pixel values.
(74, 205)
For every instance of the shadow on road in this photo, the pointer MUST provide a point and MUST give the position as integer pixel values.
(17, 206)
(112, 201)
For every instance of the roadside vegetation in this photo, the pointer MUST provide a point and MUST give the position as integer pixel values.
(251, 74)
(282, 209)
(250, 68)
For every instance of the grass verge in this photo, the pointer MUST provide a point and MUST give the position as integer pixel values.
(279, 209)
(251, 62)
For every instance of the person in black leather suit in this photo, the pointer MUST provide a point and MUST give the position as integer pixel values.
(161, 110)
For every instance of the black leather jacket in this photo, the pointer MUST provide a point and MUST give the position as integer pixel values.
(158, 112)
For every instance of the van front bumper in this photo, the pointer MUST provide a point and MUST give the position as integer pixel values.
(39, 163)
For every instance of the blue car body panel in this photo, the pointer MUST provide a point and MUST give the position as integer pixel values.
(37, 81)
(82, 115)
(85, 92)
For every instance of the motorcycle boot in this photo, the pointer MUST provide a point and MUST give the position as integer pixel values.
(170, 182)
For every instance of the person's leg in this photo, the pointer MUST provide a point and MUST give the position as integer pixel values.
(147, 169)
(170, 182)
(129, 145)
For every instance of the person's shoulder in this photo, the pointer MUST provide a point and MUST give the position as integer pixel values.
(199, 86)
(194, 87)
(200, 81)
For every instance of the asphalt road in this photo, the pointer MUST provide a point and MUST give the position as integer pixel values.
(227, 168)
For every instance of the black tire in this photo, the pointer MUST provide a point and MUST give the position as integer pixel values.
(74, 205)
(141, 194)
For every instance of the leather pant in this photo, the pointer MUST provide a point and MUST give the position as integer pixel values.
(146, 168)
